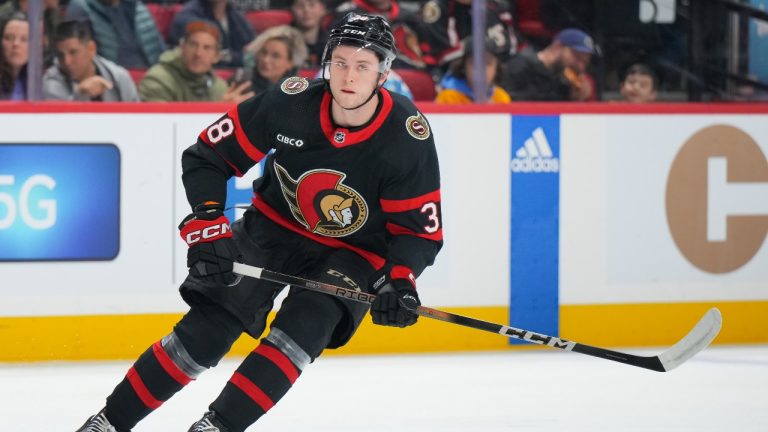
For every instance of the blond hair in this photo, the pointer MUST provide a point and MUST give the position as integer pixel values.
(297, 48)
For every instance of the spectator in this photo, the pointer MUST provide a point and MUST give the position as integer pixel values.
(407, 29)
(396, 83)
(124, 30)
(556, 73)
(448, 22)
(457, 85)
(13, 62)
(185, 74)
(308, 18)
(235, 30)
(79, 74)
(639, 84)
(278, 53)
(50, 20)
(256, 5)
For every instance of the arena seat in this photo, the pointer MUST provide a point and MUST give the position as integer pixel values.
(420, 82)
(137, 74)
(163, 16)
(308, 73)
(224, 73)
(529, 22)
(261, 20)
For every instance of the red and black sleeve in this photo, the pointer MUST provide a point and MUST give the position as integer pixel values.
(411, 204)
(230, 146)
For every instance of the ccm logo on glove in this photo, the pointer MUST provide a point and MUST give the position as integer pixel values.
(197, 230)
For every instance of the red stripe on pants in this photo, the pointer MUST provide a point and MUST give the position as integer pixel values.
(141, 390)
(280, 360)
(169, 366)
(249, 388)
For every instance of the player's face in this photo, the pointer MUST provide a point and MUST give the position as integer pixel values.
(199, 52)
(273, 60)
(76, 57)
(308, 13)
(638, 88)
(354, 74)
(16, 43)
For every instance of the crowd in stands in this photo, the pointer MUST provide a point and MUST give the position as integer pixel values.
(230, 50)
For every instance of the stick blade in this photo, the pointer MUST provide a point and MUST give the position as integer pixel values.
(696, 340)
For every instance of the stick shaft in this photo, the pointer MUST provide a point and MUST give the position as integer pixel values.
(653, 363)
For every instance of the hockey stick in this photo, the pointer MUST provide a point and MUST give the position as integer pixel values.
(696, 340)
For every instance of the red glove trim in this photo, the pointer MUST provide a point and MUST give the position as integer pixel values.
(205, 231)
(403, 272)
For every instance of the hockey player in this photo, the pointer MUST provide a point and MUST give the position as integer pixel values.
(350, 196)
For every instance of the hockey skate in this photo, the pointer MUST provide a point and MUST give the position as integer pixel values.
(208, 423)
(97, 423)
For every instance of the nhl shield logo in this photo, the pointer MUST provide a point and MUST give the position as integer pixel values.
(339, 136)
(417, 126)
(321, 202)
(294, 85)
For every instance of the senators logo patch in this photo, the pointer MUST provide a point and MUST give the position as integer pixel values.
(417, 126)
(294, 85)
(430, 12)
(322, 203)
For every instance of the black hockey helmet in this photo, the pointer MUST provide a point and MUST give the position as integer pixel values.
(365, 31)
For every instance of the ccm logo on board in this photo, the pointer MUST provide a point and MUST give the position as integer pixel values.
(717, 199)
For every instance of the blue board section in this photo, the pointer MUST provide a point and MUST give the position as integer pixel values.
(535, 174)
(59, 202)
(239, 196)
(758, 44)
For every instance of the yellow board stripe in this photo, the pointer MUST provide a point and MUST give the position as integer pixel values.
(661, 324)
(109, 337)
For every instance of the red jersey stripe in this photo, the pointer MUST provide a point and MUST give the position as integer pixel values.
(280, 360)
(403, 272)
(204, 138)
(395, 229)
(242, 138)
(376, 261)
(395, 206)
(252, 391)
(141, 390)
(168, 365)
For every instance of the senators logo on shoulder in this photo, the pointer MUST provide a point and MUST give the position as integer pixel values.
(294, 85)
(417, 126)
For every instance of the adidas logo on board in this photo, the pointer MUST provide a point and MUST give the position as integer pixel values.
(535, 156)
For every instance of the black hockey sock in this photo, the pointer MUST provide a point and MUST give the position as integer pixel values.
(152, 380)
(262, 379)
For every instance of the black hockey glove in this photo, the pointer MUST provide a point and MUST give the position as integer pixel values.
(211, 247)
(395, 301)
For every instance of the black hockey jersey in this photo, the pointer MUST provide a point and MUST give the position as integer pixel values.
(374, 189)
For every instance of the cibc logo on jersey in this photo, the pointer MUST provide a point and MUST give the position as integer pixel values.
(536, 154)
(295, 142)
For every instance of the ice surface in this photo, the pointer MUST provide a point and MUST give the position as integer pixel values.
(722, 389)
